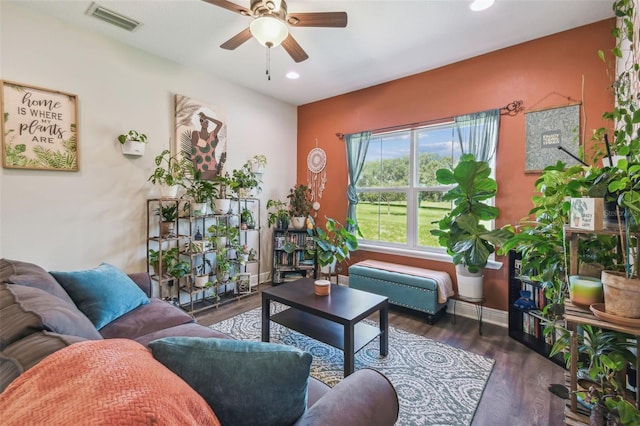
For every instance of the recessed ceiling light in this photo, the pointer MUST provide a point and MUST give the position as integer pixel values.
(292, 75)
(478, 5)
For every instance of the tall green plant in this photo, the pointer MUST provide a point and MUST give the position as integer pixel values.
(335, 242)
(462, 231)
(540, 239)
(300, 203)
(624, 177)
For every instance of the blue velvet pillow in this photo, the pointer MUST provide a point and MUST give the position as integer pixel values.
(245, 383)
(103, 293)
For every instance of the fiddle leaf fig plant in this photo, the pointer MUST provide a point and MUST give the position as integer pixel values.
(462, 231)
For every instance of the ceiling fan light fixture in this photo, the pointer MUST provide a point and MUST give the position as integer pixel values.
(479, 5)
(269, 31)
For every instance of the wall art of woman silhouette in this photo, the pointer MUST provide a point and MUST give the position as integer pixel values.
(203, 147)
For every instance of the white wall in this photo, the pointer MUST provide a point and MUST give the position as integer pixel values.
(67, 221)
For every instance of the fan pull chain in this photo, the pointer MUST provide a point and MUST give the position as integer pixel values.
(269, 60)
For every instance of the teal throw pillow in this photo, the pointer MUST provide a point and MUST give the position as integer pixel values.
(103, 293)
(245, 383)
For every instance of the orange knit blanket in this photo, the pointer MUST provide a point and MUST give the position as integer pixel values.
(442, 279)
(102, 382)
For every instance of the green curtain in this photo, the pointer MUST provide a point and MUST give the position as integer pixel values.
(478, 133)
(357, 144)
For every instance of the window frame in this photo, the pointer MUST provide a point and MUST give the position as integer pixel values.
(411, 248)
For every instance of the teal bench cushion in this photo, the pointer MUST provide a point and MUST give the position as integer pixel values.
(395, 277)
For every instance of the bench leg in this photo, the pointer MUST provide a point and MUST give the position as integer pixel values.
(432, 318)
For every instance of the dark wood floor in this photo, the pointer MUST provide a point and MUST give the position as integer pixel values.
(517, 391)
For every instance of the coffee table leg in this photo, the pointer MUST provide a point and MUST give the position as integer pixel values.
(384, 330)
(266, 315)
(349, 364)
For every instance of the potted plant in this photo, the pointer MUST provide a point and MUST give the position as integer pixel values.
(607, 355)
(132, 143)
(334, 243)
(541, 240)
(176, 267)
(202, 193)
(202, 273)
(606, 394)
(223, 266)
(258, 163)
(222, 234)
(223, 203)
(169, 214)
(252, 254)
(169, 173)
(154, 260)
(462, 231)
(300, 205)
(278, 214)
(622, 289)
(246, 219)
(245, 253)
(243, 180)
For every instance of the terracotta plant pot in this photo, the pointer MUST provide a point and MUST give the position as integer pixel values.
(167, 229)
(621, 294)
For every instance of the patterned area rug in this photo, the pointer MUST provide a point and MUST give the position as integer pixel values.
(437, 384)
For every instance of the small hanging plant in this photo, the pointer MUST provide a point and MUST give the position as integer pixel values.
(133, 136)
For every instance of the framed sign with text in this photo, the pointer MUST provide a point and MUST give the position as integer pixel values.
(39, 128)
(552, 134)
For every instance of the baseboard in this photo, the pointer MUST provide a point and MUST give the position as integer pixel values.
(489, 315)
(259, 279)
(466, 309)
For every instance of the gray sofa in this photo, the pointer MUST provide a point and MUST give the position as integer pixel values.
(364, 398)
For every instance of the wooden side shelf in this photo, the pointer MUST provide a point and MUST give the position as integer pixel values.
(576, 315)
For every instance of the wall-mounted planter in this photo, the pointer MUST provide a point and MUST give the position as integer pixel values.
(133, 148)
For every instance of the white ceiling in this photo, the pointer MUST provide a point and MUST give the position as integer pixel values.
(383, 40)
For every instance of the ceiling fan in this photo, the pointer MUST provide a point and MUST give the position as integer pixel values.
(270, 24)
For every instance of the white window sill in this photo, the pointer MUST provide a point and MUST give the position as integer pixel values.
(438, 257)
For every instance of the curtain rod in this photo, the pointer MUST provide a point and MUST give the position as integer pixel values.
(511, 108)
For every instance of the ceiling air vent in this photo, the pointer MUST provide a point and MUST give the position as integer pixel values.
(112, 17)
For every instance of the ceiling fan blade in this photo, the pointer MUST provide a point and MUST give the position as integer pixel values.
(318, 19)
(294, 50)
(237, 39)
(230, 6)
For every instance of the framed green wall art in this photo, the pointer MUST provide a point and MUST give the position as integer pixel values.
(39, 128)
(552, 134)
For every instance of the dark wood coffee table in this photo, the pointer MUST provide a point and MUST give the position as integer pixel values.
(334, 319)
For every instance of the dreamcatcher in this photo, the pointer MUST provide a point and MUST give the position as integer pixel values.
(316, 175)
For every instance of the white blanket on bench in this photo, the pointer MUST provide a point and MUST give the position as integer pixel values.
(445, 285)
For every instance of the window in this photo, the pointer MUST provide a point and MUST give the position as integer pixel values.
(398, 195)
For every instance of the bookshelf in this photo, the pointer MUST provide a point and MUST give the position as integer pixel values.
(527, 325)
(294, 256)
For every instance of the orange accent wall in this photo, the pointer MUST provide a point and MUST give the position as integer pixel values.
(543, 73)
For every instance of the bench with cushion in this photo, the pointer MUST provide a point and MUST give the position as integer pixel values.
(416, 288)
